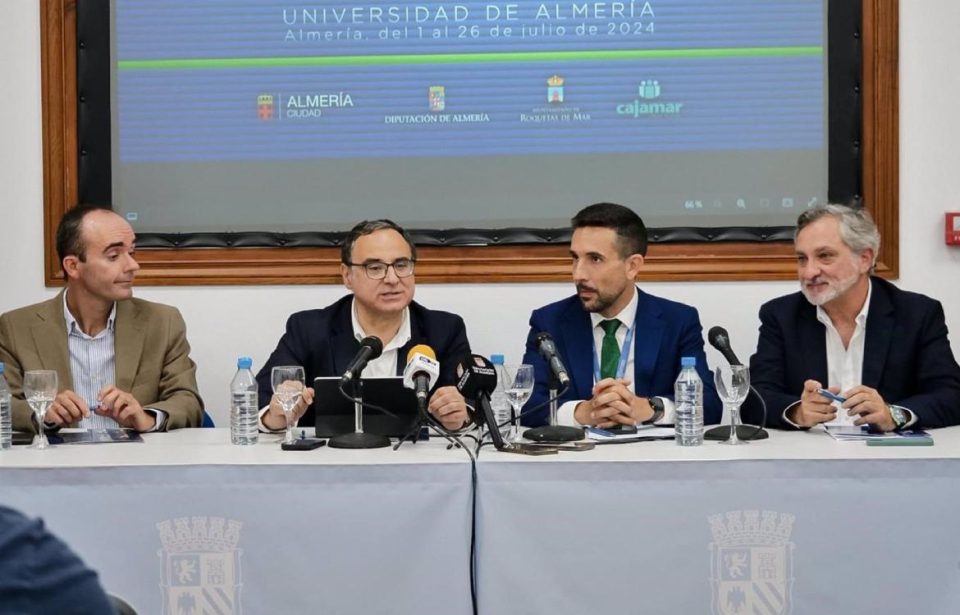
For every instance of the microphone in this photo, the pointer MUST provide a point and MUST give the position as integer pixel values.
(421, 372)
(477, 377)
(370, 348)
(720, 339)
(548, 350)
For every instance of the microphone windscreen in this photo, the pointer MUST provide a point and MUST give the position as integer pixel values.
(373, 342)
(421, 349)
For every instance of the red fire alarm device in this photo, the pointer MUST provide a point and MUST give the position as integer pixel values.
(953, 228)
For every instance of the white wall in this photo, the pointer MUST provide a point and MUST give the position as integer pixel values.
(224, 322)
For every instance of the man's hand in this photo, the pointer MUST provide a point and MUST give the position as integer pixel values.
(612, 404)
(124, 409)
(866, 403)
(813, 408)
(274, 419)
(449, 407)
(67, 407)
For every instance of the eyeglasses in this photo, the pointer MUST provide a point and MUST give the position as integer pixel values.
(377, 270)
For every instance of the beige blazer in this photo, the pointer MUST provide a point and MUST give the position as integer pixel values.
(152, 357)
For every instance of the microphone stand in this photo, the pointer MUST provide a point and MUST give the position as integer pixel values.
(358, 439)
(554, 432)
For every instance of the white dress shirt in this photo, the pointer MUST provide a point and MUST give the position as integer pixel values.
(627, 316)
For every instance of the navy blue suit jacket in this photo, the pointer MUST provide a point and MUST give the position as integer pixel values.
(665, 332)
(907, 356)
(322, 341)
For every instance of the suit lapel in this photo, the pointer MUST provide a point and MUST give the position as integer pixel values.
(50, 336)
(879, 334)
(813, 344)
(343, 344)
(576, 337)
(647, 337)
(129, 332)
(417, 336)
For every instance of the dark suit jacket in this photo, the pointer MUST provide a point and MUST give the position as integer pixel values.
(907, 356)
(665, 332)
(322, 341)
(152, 357)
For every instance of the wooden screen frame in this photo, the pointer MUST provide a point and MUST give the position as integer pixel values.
(665, 262)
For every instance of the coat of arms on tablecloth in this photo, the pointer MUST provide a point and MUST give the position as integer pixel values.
(751, 563)
(200, 571)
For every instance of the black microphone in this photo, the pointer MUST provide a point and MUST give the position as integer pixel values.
(477, 379)
(548, 350)
(720, 339)
(370, 348)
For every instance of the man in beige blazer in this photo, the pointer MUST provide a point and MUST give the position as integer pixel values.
(120, 361)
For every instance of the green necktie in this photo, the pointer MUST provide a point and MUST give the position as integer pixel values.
(610, 350)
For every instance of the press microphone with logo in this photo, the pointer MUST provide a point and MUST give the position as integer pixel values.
(548, 350)
(476, 380)
(720, 339)
(370, 348)
(421, 372)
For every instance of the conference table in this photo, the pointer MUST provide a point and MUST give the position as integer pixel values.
(186, 523)
(797, 523)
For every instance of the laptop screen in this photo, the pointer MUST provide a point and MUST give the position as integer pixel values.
(335, 413)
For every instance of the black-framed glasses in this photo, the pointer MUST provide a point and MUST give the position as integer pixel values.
(377, 270)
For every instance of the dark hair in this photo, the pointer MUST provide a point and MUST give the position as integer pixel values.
(366, 228)
(69, 234)
(631, 232)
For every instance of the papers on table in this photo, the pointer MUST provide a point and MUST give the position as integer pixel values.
(643, 432)
(95, 436)
(863, 433)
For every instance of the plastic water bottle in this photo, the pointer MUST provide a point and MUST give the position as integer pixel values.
(6, 416)
(688, 397)
(498, 399)
(244, 409)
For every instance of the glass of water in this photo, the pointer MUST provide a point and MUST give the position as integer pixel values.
(518, 388)
(733, 386)
(40, 389)
(288, 384)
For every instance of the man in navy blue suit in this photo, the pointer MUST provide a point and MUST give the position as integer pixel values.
(621, 346)
(882, 349)
(378, 259)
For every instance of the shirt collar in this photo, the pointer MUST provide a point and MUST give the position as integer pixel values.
(399, 340)
(861, 318)
(626, 316)
(74, 327)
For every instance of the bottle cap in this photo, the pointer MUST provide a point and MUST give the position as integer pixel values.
(244, 363)
(688, 362)
(496, 359)
(2, 367)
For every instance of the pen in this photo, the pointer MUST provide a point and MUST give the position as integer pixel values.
(831, 396)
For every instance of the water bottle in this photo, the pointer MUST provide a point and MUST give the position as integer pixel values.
(498, 399)
(6, 417)
(244, 409)
(688, 397)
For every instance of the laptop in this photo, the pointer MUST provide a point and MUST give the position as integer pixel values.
(335, 413)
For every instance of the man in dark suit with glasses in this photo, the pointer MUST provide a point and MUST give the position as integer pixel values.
(377, 261)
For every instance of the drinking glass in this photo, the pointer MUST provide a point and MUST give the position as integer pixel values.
(40, 389)
(733, 385)
(287, 381)
(518, 388)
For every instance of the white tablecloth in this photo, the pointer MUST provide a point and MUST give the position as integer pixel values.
(187, 520)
